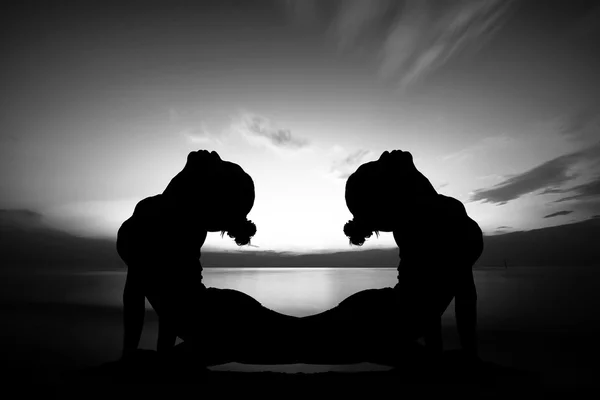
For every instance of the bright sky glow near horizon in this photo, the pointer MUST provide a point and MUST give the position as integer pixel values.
(496, 100)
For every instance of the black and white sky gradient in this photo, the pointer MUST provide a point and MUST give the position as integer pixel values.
(102, 101)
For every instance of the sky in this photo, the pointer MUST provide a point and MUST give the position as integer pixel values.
(496, 100)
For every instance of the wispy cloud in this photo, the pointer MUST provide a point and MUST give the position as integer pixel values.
(261, 130)
(410, 38)
(549, 177)
(588, 190)
(558, 213)
(201, 135)
(503, 229)
(552, 173)
(425, 35)
(343, 168)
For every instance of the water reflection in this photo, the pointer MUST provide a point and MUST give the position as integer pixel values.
(300, 291)
(531, 295)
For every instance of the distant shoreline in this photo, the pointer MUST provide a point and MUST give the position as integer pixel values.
(14, 271)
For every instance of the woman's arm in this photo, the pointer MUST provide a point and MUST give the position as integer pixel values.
(466, 313)
(134, 309)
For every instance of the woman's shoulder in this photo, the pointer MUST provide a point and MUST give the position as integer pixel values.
(153, 208)
(456, 212)
(450, 201)
(148, 204)
(446, 205)
(149, 212)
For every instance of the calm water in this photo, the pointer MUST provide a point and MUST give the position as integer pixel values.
(548, 296)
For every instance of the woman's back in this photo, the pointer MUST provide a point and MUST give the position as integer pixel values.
(438, 245)
(154, 230)
(437, 229)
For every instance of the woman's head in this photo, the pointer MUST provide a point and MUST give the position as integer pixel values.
(378, 191)
(216, 194)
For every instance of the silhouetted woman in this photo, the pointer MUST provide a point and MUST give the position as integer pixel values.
(438, 245)
(160, 243)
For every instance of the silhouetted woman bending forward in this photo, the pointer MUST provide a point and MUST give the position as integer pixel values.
(160, 243)
(439, 244)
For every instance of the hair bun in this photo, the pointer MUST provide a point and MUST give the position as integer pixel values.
(242, 232)
(357, 232)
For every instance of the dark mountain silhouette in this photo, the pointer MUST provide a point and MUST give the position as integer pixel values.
(564, 245)
(26, 242)
(376, 258)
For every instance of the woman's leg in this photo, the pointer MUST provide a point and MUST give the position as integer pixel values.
(366, 327)
(231, 326)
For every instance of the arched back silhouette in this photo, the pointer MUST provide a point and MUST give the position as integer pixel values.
(438, 245)
(161, 242)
